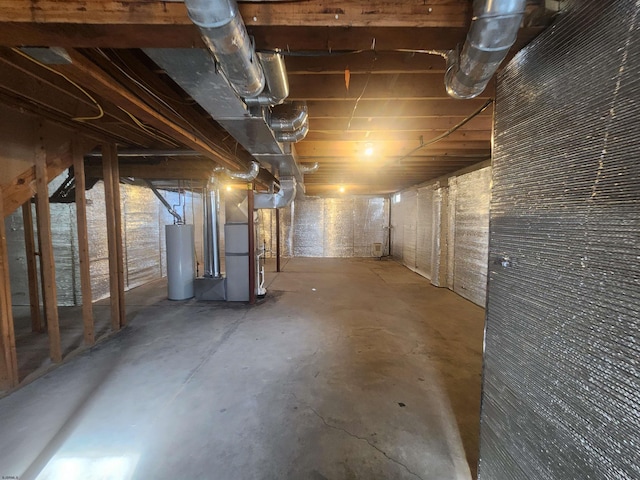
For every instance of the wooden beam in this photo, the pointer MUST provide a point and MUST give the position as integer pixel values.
(295, 38)
(363, 61)
(119, 238)
(423, 108)
(391, 135)
(307, 13)
(83, 245)
(390, 148)
(109, 157)
(165, 169)
(419, 124)
(20, 189)
(8, 356)
(372, 87)
(46, 251)
(32, 269)
(85, 72)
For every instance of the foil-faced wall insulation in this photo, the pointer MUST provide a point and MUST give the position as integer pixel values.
(330, 227)
(409, 229)
(472, 235)
(143, 220)
(457, 213)
(424, 231)
(561, 388)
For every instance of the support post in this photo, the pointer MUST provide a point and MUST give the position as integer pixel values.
(32, 268)
(38, 254)
(83, 246)
(252, 245)
(46, 250)
(277, 240)
(8, 357)
(114, 236)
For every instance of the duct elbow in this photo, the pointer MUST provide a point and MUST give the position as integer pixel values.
(292, 137)
(249, 176)
(282, 199)
(277, 89)
(493, 32)
(289, 118)
(309, 169)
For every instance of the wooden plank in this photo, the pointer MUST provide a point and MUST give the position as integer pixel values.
(432, 13)
(423, 108)
(83, 245)
(46, 250)
(382, 86)
(390, 149)
(420, 124)
(118, 224)
(32, 269)
(8, 356)
(39, 239)
(20, 189)
(391, 135)
(86, 73)
(108, 159)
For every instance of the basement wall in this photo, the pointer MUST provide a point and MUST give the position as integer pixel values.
(441, 231)
(143, 220)
(327, 227)
(561, 390)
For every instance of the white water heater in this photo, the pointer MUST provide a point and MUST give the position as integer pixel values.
(181, 270)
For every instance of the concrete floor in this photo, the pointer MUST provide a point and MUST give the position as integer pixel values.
(348, 369)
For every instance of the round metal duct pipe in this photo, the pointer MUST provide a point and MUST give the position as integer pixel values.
(493, 31)
(225, 34)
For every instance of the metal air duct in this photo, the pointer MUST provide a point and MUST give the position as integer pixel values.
(275, 73)
(493, 31)
(283, 198)
(249, 176)
(292, 137)
(309, 169)
(225, 34)
(289, 117)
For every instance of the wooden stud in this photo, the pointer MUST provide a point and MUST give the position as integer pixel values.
(118, 224)
(8, 357)
(112, 239)
(46, 251)
(38, 254)
(32, 268)
(83, 246)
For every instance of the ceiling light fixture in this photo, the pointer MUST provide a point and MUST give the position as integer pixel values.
(341, 189)
(368, 149)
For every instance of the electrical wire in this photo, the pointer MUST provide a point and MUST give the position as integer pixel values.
(156, 135)
(89, 96)
(353, 112)
(448, 132)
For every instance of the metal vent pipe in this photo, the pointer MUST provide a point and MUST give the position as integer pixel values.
(225, 34)
(309, 169)
(249, 176)
(277, 200)
(211, 232)
(493, 31)
(292, 137)
(277, 88)
(289, 117)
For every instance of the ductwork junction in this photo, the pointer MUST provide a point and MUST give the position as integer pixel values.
(281, 199)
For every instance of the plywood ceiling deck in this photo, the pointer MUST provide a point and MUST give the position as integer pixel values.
(347, 59)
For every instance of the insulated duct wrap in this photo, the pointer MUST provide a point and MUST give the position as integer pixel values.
(561, 377)
(472, 235)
